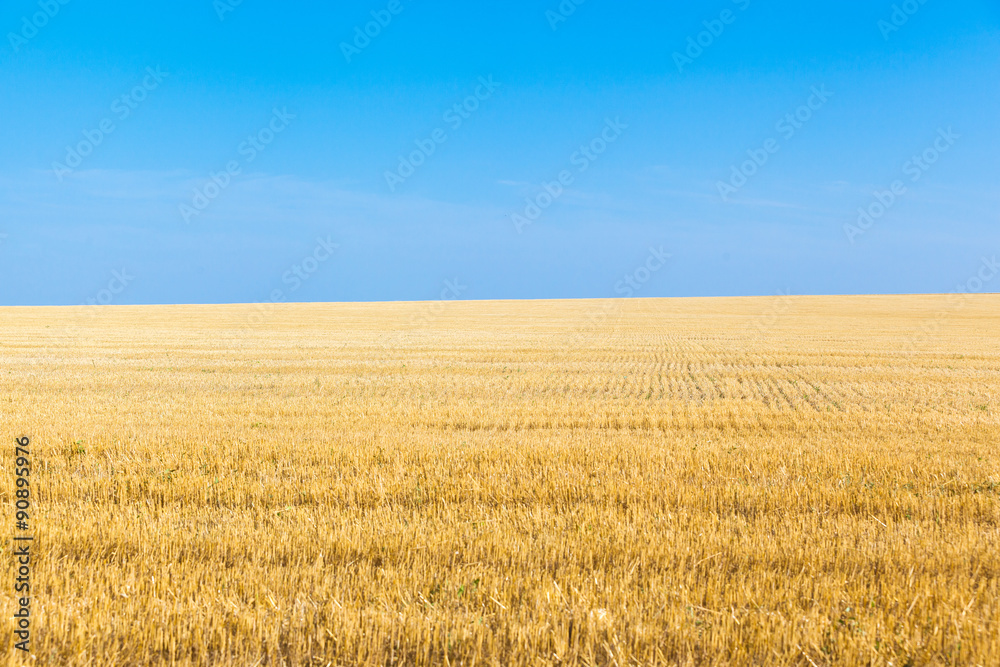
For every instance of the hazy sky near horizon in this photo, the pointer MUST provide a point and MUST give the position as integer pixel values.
(200, 151)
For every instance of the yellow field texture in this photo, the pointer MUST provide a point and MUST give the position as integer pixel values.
(767, 481)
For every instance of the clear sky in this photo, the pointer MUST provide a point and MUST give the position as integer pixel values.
(200, 151)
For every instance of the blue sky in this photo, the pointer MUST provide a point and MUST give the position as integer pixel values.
(619, 98)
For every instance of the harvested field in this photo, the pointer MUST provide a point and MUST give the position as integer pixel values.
(781, 481)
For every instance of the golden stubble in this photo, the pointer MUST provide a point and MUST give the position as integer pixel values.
(786, 481)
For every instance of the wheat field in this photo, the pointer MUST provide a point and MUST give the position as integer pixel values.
(756, 481)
